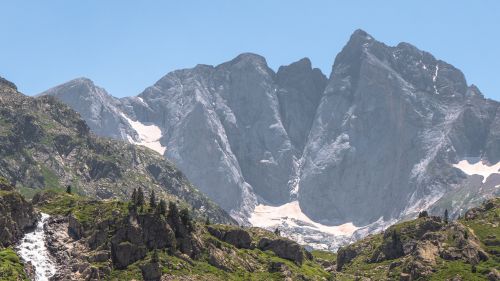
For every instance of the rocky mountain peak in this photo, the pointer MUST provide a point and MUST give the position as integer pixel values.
(6, 83)
(251, 58)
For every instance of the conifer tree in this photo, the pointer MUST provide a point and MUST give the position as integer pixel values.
(68, 189)
(173, 212)
(277, 231)
(154, 257)
(186, 219)
(140, 197)
(134, 196)
(152, 200)
(446, 216)
(161, 208)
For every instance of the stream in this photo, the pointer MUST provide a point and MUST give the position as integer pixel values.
(32, 249)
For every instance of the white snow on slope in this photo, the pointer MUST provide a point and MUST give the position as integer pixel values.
(290, 213)
(434, 78)
(32, 249)
(149, 135)
(294, 224)
(478, 168)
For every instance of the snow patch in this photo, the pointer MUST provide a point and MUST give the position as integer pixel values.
(478, 168)
(32, 249)
(434, 78)
(290, 214)
(149, 135)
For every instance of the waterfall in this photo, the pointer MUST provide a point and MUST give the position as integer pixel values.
(32, 249)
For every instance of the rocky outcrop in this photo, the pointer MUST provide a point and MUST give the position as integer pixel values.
(284, 248)
(420, 249)
(16, 215)
(234, 236)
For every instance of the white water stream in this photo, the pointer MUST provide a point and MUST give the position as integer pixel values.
(32, 249)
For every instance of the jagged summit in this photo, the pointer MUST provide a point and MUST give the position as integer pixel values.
(249, 58)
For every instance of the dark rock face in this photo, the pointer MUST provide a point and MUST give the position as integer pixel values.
(301, 89)
(151, 272)
(16, 215)
(137, 235)
(126, 253)
(283, 248)
(236, 237)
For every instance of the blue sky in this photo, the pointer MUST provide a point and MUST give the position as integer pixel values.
(125, 46)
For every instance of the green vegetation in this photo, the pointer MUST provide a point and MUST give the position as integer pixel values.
(87, 211)
(478, 232)
(11, 268)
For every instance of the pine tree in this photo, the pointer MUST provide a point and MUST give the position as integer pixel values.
(277, 231)
(68, 189)
(161, 209)
(173, 211)
(186, 219)
(423, 214)
(152, 200)
(446, 216)
(132, 208)
(134, 196)
(154, 257)
(140, 197)
(207, 221)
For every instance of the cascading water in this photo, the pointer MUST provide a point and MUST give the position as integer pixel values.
(32, 249)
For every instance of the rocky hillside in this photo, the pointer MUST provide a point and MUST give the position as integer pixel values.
(429, 248)
(45, 144)
(114, 240)
(150, 240)
(16, 217)
(392, 131)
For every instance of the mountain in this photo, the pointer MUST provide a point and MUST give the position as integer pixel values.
(392, 131)
(45, 144)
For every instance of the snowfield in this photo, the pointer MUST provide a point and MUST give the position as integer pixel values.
(478, 168)
(149, 135)
(294, 224)
(291, 214)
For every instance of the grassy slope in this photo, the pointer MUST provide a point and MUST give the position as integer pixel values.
(11, 268)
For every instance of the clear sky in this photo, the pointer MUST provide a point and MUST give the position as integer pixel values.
(125, 46)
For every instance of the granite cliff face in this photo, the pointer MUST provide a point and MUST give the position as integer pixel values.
(390, 124)
(393, 130)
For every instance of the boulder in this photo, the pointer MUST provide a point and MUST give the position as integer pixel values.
(235, 236)
(283, 248)
(151, 271)
(126, 253)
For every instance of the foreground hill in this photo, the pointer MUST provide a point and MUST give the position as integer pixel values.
(92, 239)
(429, 248)
(45, 144)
